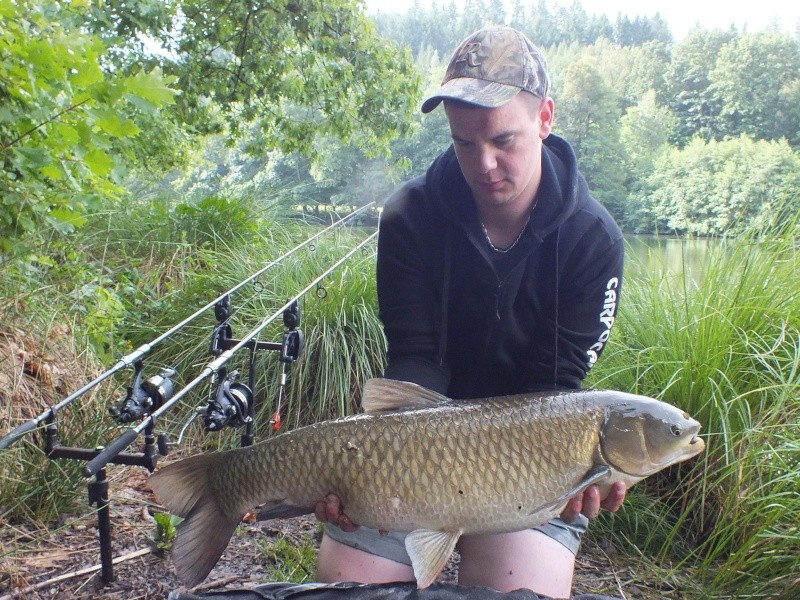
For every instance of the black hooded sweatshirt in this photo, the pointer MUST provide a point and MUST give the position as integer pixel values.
(470, 322)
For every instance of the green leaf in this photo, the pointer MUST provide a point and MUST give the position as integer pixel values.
(52, 171)
(34, 158)
(99, 162)
(44, 260)
(166, 530)
(66, 220)
(152, 86)
(7, 8)
(120, 128)
(66, 135)
(87, 74)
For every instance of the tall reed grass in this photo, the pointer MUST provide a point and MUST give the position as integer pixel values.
(40, 363)
(343, 339)
(160, 268)
(722, 340)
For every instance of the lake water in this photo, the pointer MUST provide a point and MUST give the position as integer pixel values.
(667, 254)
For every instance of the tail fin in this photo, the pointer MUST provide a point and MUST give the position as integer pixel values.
(184, 489)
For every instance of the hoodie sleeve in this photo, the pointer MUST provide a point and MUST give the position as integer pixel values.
(588, 300)
(406, 290)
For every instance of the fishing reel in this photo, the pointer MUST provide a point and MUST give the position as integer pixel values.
(143, 397)
(293, 340)
(231, 405)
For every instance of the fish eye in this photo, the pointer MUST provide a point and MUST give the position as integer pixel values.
(676, 430)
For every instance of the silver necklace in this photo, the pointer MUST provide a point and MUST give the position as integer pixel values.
(514, 243)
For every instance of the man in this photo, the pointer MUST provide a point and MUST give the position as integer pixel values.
(497, 274)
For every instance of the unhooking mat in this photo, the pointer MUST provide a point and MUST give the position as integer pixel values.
(356, 591)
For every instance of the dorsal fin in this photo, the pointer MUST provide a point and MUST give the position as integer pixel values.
(390, 395)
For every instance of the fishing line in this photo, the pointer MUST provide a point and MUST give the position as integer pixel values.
(212, 369)
(135, 357)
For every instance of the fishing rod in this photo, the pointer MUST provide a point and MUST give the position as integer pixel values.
(212, 369)
(135, 358)
(231, 405)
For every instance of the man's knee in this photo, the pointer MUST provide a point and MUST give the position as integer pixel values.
(338, 561)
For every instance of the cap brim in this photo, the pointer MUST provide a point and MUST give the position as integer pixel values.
(479, 92)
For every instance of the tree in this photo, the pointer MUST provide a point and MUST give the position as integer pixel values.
(756, 79)
(645, 130)
(418, 152)
(64, 121)
(473, 17)
(631, 71)
(518, 15)
(420, 28)
(79, 80)
(641, 30)
(587, 115)
(301, 69)
(574, 23)
(543, 27)
(688, 92)
(719, 188)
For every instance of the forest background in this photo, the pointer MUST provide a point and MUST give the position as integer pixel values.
(104, 102)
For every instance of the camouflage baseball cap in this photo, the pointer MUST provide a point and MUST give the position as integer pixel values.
(490, 67)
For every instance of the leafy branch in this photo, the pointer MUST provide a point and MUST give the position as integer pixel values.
(55, 117)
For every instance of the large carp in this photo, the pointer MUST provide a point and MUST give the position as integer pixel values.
(418, 462)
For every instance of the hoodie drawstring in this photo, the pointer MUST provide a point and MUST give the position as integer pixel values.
(448, 242)
(555, 342)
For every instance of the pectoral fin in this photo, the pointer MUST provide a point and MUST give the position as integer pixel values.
(281, 511)
(594, 475)
(429, 551)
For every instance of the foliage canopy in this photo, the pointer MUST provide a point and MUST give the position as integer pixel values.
(80, 80)
(64, 119)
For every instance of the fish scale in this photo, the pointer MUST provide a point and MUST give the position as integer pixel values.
(421, 463)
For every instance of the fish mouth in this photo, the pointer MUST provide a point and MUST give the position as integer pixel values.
(697, 444)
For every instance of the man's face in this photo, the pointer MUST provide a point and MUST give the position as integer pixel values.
(499, 149)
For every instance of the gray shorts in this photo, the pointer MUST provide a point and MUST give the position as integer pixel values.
(392, 545)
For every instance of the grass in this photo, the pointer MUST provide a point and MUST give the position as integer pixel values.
(291, 560)
(157, 282)
(720, 339)
(40, 363)
(343, 340)
(723, 342)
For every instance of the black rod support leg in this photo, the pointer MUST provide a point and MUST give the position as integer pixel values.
(98, 495)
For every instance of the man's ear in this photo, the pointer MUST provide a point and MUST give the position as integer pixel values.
(546, 113)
